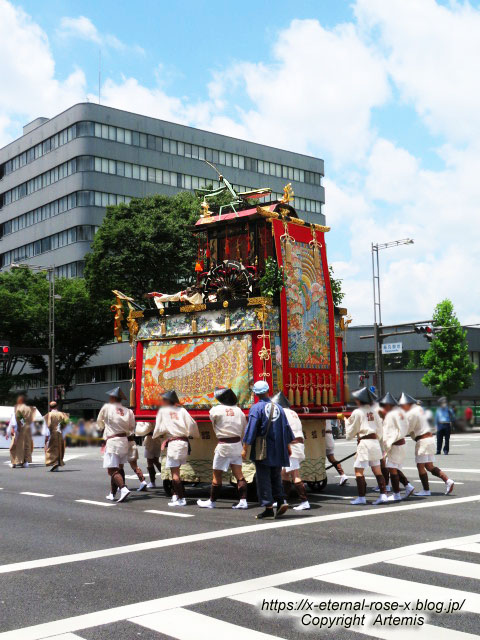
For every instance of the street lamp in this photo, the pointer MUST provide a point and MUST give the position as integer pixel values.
(51, 321)
(377, 308)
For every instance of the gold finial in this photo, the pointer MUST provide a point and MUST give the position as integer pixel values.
(287, 193)
(206, 213)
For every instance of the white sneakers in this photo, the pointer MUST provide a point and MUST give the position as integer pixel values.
(359, 500)
(243, 504)
(302, 506)
(151, 485)
(124, 493)
(206, 504)
(449, 486)
(343, 480)
(25, 465)
(409, 489)
(143, 486)
(177, 502)
(381, 499)
(423, 492)
(111, 497)
(394, 497)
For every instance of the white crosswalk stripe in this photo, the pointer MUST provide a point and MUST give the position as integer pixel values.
(171, 617)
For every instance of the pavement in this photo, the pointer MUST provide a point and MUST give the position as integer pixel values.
(73, 565)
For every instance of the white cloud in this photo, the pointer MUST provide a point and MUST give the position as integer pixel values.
(392, 173)
(27, 69)
(84, 29)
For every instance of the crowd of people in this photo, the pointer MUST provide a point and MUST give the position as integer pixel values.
(271, 437)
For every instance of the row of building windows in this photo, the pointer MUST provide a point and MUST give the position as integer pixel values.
(134, 171)
(81, 233)
(164, 145)
(71, 270)
(407, 360)
(51, 209)
(107, 373)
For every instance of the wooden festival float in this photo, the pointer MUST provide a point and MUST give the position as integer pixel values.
(222, 331)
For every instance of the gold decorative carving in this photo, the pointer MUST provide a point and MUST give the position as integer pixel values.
(225, 304)
(287, 193)
(188, 308)
(259, 301)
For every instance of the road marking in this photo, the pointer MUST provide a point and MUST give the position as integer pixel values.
(255, 598)
(101, 504)
(142, 608)
(225, 533)
(397, 588)
(331, 495)
(469, 548)
(68, 636)
(448, 470)
(373, 479)
(170, 513)
(184, 624)
(440, 565)
(38, 495)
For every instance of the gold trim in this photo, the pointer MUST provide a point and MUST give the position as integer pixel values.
(137, 314)
(188, 308)
(266, 213)
(259, 301)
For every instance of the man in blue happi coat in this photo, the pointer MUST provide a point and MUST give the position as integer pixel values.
(444, 420)
(279, 435)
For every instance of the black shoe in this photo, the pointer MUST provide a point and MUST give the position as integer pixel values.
(439, 453)
(281, 510)
(268, 514)
(445, 453)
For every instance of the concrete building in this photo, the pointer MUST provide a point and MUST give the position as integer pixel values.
(404, 371)
(56, 180)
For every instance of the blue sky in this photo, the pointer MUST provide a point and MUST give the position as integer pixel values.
(385, 92)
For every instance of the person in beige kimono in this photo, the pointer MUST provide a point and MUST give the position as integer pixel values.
(425, 447)
(54, 444)
(366, 426)
(395, 428)
(21, 433)
(175, 421)
(117, 423)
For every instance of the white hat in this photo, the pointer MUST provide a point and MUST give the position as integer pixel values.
(260, 387)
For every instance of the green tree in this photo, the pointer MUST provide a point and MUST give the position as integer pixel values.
(449, 366)
(82, 326)
(144, 246)
(336, 285)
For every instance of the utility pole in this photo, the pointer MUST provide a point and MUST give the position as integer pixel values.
(377, 310)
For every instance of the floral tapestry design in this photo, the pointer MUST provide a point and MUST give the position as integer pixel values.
(307, 311)
(194, 367)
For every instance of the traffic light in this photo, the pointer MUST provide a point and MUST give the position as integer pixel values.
(4, 349)
(427, 331)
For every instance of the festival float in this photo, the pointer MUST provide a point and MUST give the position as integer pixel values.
(259, 307)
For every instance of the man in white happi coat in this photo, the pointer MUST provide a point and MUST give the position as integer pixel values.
(425, 447)
(117, 423)
(366, 426)
(395, 428)
(296, 454)
(175, 421)
(229, 423)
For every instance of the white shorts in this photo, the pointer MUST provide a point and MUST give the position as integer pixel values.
(392, 465)
(173, 462)
(364, 464)
(222, 463)
(425, 458)
(294, 465)
(112, 460)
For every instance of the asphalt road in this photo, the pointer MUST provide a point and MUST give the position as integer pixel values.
(74, 569)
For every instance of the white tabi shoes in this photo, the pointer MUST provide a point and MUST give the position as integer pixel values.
(177, 502)
(388, 489)
(343, 480)
(151, 485)
(206, 504)
(142, 486)
(359, 500)
(243, 504)
(111, 497)
(394, 497)
(409, 489)
(382, 499)
(423, 492)
(124, 493)
(302, 506)
(449, 486)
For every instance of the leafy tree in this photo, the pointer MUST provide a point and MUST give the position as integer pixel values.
(449, 366)
(82, 325)
(336, 285)
(144, 246)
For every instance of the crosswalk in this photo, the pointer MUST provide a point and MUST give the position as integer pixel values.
(439, 572)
